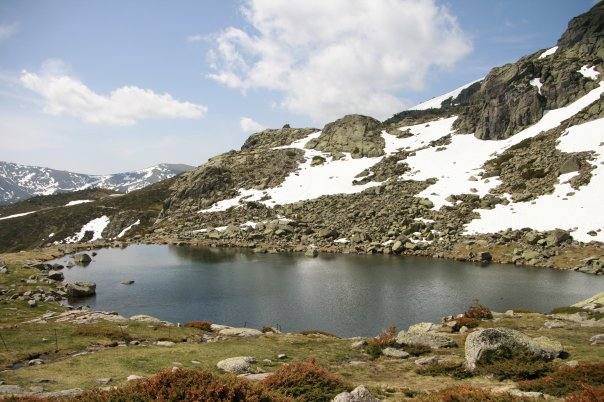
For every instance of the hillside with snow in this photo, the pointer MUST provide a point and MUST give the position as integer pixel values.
(18, 182)
(507, 168)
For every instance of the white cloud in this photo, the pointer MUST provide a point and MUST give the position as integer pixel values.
(329, 58)
(65, 95)
(8, 30)
(195, 38)
(249, 125)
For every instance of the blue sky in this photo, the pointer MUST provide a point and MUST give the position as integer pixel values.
(277, 62)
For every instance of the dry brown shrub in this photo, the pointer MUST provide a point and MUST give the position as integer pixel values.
(305, 381)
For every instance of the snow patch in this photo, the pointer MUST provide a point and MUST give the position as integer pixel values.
(96, 226)
(548, 52)
(123, 232)
(436, 103)
(536, 82)
(16, 215)
(77, 202)
(342, 240)
(466, 155)
(581, 211)
(589, 72)
(307, 182)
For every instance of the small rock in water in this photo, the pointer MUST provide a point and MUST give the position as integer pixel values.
(311, 252)
(82, 258)
(128, 282)
(55, 275)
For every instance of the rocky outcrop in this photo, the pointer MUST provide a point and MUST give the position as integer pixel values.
(242, 332)
(271, 138)
(586, 29)
(222, 176)
(359, 135)
(429, 339)
(77, 290)
(482, 344)
(532, 167)
(507, 102)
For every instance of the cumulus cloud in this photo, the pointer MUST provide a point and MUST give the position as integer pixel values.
(8, 30)
(249, 125)
(329, 58)
(66, 95)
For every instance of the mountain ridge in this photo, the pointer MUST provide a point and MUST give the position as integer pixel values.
(18, 181)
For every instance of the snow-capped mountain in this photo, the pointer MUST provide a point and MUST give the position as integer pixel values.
(18, 182)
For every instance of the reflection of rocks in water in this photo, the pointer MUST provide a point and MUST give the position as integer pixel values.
(222, 254)
(204, 254)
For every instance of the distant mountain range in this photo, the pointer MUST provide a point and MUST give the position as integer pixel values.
(18, 182)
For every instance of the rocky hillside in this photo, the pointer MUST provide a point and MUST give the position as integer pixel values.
(508, 168)
(18, 182)
(494, 161)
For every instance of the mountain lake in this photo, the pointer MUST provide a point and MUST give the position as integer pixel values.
(344, 294)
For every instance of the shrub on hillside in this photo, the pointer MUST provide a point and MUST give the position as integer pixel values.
(513, 364)
(567, 380)
(202, 325)
(415, 349)
(589, 394)
(185, 385)
(467, 393)
(387, 338)
(455, 370)
(478, 311)
(305, 381)
(467, 322)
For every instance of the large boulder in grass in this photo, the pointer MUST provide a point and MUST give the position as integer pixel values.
(243, 332)
(484, 343)
(237, 365)
(429, 339)
(359, 394)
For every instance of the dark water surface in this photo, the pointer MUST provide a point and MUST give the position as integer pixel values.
(343, 294)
